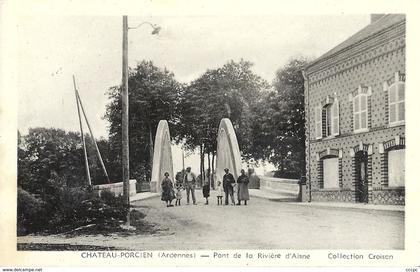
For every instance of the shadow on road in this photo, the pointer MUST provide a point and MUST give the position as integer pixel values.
(284, 200)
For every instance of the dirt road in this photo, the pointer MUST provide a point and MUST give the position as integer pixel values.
(262, 224)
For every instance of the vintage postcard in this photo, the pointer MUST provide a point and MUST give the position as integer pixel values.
(208, 133)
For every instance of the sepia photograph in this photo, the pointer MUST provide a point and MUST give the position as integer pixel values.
(193, 133)
(211, 132)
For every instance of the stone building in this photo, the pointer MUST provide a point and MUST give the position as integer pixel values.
(355, 122)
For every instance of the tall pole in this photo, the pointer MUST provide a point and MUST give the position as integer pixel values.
(93, 138)
(183, 160)
(151, 150)
(124, 104)
(201, 162)
(208, 172)
(89, 182)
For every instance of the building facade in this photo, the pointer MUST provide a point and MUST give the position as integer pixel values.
(355, 121)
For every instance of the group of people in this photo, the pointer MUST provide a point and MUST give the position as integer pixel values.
(224, 189)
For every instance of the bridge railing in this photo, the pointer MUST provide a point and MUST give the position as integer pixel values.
(116, 188)
(283, 186)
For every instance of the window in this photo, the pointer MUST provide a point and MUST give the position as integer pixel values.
(330, 174)
(396, 168)
(327, 120)
(396, 102)
(360, 113)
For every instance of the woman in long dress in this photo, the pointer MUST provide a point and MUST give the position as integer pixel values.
(206, 192)
(168, 193)
(206, 187)
(243, 192)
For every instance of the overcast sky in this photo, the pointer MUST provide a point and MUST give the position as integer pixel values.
(52, 49)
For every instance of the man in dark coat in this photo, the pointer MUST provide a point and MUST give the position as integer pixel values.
(228, 180)
(189, 185)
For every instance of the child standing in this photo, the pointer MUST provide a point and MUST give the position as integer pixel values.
(179, 189)
(220, 193)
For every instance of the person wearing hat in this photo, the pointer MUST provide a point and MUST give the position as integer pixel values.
(228, 180)
(189, 185)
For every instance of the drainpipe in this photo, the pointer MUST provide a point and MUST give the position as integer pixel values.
(307, 136)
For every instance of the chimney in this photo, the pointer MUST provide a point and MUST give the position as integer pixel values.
(376, 17)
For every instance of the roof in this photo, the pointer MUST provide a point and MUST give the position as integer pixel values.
(377, 26)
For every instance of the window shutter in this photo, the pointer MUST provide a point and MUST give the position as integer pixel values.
(324, 122)
(363, 102)
(363, 120)
(401, 92)
(364, 112)
(401, 100)
(392, 113)
(330, 173)
(360, 112)
(336, 118)
(356, 108)
(396, 103)
(392, 106)
(401, 111)
(396, 166)
(318, 123)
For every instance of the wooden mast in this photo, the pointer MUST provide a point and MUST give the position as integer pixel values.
(89, 182)
(93, 139)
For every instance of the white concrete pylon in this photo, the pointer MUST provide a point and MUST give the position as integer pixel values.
(162, 157)
(228, 154)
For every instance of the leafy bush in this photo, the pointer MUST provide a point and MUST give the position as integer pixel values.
(66, 209)
(108, 197)
(52, 196)
(30, 213)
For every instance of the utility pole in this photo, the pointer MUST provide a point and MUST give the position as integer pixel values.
(201, 162)
(124, 104)
(183, 161)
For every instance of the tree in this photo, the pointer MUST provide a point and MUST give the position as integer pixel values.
(228, 91)
(48, 152)
(153, 95)
(45, 152)
(278, 128)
